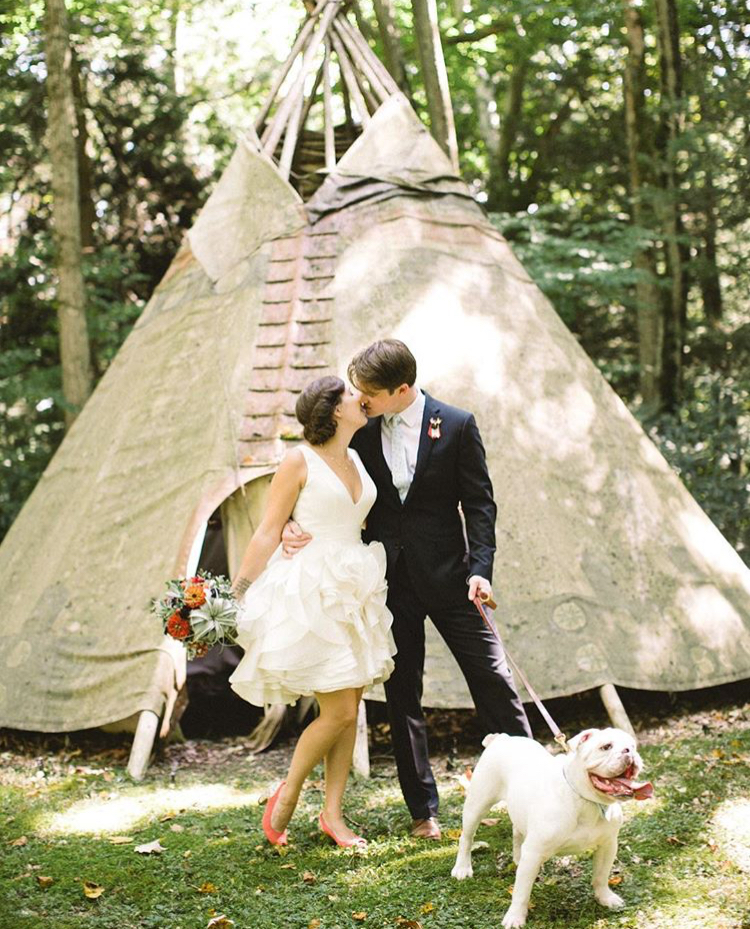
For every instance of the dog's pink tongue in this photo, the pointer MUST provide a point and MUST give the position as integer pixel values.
(623, 787)
(643, 791)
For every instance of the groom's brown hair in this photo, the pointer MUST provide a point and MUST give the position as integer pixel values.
(384, 365)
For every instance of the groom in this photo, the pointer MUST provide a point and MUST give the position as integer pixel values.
(427, 460)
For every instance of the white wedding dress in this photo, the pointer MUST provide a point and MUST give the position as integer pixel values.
(318, 621)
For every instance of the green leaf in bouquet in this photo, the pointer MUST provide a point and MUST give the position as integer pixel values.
(215, 620)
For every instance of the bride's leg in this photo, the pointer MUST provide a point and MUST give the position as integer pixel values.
(338, 763)
(338, 713)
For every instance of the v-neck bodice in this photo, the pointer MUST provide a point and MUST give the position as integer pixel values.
(325, 507)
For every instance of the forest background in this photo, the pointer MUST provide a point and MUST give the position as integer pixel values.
(608, 141)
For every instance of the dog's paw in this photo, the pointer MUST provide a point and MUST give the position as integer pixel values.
(462, 871)
(611, 900)
(514, 918)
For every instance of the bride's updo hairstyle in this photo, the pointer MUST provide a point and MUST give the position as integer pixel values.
(315, 406)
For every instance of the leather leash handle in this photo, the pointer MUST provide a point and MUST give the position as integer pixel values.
(480, 602)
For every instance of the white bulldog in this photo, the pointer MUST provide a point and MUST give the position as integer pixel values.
(558, 805)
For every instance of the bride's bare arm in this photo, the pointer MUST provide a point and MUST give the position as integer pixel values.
(282, 496)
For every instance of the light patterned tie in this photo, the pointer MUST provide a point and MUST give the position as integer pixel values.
(399, 464)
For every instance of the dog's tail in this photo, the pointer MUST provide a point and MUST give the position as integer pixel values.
(492, 736)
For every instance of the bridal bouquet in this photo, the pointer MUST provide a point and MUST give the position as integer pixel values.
(199, 611)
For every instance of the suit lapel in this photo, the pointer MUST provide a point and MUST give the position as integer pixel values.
(431, 409)
(378, 466)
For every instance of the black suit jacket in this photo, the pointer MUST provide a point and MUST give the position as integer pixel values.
(427, 526)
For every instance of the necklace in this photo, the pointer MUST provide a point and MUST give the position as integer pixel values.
(346, 462)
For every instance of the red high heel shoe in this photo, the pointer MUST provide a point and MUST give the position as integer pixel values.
(356, 842)
(274, 837)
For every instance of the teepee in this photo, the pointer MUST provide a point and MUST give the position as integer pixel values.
(339, 221)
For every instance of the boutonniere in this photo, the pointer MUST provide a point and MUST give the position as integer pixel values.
(434, 429)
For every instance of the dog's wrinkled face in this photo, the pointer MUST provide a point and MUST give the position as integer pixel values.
(612, 762)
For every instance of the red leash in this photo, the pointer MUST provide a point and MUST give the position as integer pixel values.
(480, 602)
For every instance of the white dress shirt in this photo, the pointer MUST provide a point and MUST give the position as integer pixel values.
(411, 428)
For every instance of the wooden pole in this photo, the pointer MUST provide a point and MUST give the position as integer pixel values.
(286, 67)
(373, 63)
(311, 99)
(143, 744)
(350, 81)
(355, 53)
(361, 757)
(615, 709)
(328, 111)
(290, 139)
(290, 101)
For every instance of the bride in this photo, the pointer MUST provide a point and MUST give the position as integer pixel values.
(317, 623)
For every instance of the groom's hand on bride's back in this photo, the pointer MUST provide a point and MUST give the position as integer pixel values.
(293, 539)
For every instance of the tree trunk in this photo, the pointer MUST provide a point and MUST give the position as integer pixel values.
(648, 302)
(74, 342)
(435, 77)
(710, 280)
(392, 51)
(501, 194)
(670, 130)
(85, 174)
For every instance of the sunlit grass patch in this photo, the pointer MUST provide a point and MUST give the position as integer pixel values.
(731, 822)
(122, 811)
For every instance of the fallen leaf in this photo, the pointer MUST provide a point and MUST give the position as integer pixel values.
(360, 917)
(166, 817)
(220, 922)
(427, 907)
(120, 839)
(615, 880)
(288, 867)
(452, 833)
(44, 881)
(673, 840)
(187, 854)
(408, 923)
(207, 888)
(19, 842)
(489, 822)
(314, 924)
(176, 827)
(92, 890)
(150, 848)
(308, 877)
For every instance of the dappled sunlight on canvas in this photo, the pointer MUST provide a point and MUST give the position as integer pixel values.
(113, 813)
(708, 545)
(449, 341)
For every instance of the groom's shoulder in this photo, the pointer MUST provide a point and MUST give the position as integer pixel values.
(448, 411)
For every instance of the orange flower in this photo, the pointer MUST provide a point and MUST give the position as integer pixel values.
(178, 627)
(195, 596)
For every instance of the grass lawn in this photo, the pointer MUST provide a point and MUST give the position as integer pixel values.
(69, 815)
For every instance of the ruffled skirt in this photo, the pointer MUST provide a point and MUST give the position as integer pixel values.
(316, 622)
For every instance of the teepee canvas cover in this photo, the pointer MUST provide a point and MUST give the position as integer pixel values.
(607, 571)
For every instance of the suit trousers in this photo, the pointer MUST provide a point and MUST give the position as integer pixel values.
(482, 661)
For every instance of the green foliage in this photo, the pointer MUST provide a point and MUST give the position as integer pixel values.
(584, 266)
(708, 443)
(31, 402)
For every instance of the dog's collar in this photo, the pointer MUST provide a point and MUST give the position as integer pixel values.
(601, 806)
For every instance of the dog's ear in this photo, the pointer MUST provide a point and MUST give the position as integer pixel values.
(577, 741)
